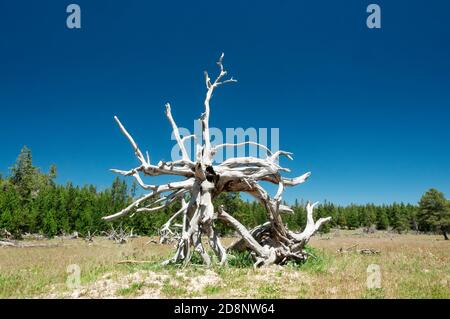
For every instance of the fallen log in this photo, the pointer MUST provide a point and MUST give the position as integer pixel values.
(7, 243)
(122, 262)
(364, 251)
(369, 251)
(24, 245)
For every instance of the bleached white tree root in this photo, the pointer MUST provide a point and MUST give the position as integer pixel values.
(270, 243)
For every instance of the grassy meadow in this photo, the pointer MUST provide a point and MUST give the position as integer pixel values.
(412, 266)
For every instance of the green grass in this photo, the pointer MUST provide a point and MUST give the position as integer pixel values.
(318, 262)
(25, 283)
(91, 274)
(240, 260)
(171, 290)
(268, 291)
(211, 290)
(374, 293)
(196, 258)
(132, 290)
(412, 266)
(420, 289)
(302, 292)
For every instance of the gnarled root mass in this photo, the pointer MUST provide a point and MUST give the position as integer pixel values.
(270, 243)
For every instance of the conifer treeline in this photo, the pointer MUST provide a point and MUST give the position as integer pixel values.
(31, 202)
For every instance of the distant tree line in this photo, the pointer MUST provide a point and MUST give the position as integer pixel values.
(31, 202)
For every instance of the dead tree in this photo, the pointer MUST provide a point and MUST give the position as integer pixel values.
(270, 243)
(119, 236)
(89, 237)
(4, 233)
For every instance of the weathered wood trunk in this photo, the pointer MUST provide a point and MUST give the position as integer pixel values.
(270, 243)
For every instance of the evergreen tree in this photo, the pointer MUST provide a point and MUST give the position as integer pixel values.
(11, 217)
(398, 220)
(341, 219)
(434, 212)
(23, 173)
(368, 217)
(31, 201)
(382, 219)
(49, 224)
(352, 217)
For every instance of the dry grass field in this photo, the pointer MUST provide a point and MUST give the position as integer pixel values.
(412, 266)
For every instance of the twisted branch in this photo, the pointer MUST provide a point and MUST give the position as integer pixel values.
(269, 243)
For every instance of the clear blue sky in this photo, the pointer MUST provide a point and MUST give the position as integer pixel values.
(367, 111)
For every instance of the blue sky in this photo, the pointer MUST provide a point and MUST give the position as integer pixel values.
(367, 111)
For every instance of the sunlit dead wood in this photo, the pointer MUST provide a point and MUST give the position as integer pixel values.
(270, 243)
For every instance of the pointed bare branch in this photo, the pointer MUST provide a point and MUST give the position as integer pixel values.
(176, 133)
(136, 149)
